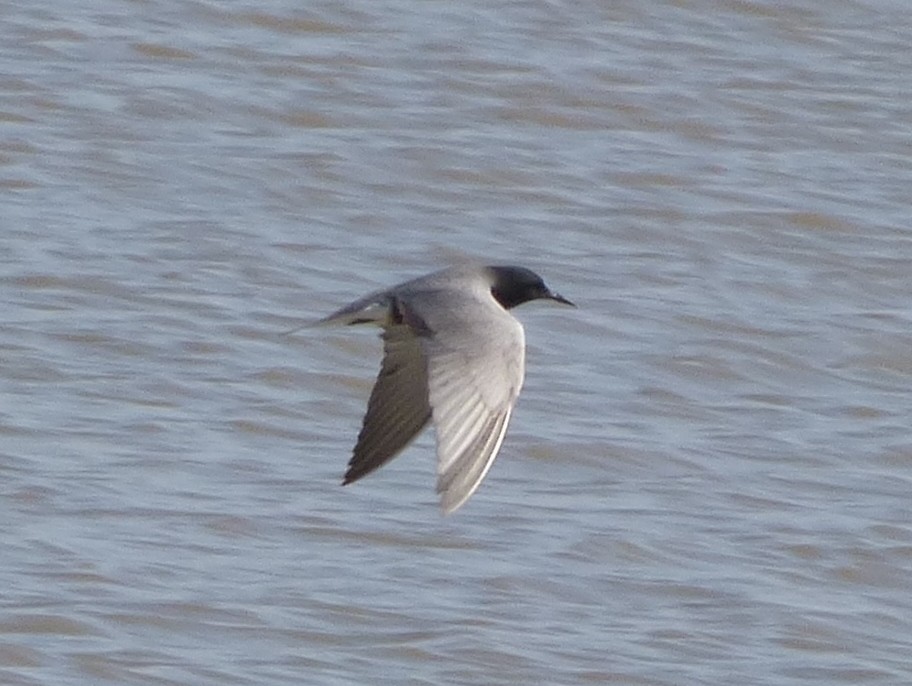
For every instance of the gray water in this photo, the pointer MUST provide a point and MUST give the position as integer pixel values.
(708, 478)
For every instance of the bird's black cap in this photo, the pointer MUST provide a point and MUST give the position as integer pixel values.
(512, 286)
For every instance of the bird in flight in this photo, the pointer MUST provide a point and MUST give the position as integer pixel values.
(453, 354)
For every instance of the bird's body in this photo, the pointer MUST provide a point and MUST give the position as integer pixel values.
(454, 354)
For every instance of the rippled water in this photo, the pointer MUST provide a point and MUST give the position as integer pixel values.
(707, 480)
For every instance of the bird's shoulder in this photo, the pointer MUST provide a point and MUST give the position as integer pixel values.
(470, 341)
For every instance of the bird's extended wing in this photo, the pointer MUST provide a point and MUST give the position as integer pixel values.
(475, 363)
(398, 408)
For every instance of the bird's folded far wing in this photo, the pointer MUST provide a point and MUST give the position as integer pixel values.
(476, 359)
(398, 408)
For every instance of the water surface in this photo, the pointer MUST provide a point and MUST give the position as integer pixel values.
(707, 478)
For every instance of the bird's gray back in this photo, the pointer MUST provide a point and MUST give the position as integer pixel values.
(460, 279)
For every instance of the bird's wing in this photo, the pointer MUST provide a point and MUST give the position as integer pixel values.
(398, 407)
(475, 361)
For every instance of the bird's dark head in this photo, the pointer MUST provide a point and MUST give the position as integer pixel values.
(512, 286)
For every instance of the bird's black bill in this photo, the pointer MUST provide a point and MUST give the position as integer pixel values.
(561, 299)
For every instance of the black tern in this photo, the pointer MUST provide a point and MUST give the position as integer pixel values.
(452, 353)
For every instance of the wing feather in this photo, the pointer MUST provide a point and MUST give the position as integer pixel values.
(475, 365)
(398, 408)
(462, 479)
